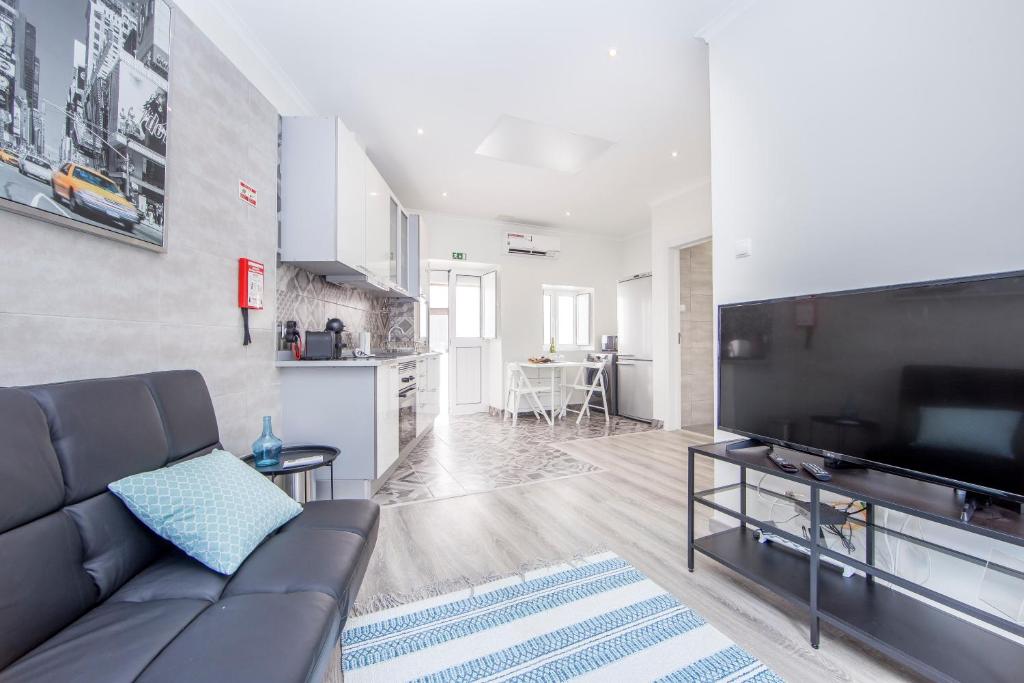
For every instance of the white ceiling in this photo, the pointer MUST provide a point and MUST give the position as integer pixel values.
(455, 67)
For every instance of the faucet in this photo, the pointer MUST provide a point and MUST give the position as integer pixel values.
(389, 339)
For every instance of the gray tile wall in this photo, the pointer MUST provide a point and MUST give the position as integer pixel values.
(75, 306)
(697, 327)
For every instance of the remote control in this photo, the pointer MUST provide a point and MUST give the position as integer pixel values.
(782, 463)
(816, 471)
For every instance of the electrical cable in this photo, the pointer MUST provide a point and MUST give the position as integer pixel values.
(772, 503)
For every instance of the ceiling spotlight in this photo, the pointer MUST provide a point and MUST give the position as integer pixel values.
(444, 194)
(612, 52)
(568, 213)
(675, 154)
(419, 131)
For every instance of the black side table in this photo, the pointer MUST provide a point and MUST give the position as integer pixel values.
(288, 453)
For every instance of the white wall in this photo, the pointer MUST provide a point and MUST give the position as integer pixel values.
(681, 220)
(867, 143)
(585, 261)
(635, 255)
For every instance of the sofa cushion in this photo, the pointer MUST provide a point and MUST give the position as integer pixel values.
(356, 516)
(276, 637)
(114, 642)
(44, 585)
(187, 411)
(174, 576)
(31, 485)
(116, 545)
(102, 430)
(299, 559)
(215, 508)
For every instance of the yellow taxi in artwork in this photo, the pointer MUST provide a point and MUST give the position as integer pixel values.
(8, 157)
(89, 192)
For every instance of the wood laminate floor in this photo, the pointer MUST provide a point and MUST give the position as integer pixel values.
(635, 507)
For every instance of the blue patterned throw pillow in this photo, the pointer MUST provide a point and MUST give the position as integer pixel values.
(214, 507)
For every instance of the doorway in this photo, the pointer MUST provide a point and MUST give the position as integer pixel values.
(462, 322)
(696, 339)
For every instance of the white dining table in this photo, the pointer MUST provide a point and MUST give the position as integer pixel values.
(556, 411)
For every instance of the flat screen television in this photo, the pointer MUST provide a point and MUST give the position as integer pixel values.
(924, 379)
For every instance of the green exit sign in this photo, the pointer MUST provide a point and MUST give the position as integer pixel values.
(458, 256)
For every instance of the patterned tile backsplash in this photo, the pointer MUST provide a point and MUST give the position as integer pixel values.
(310, 300)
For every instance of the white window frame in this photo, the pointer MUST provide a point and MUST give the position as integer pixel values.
(555, 291)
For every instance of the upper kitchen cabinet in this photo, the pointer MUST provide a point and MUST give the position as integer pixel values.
(378, 224)
(415, 241)
(324, 204)
(339, 218)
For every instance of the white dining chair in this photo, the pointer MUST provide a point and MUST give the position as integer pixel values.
(519, 385)
(588, 388)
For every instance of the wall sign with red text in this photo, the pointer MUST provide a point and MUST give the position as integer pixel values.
(247, 193)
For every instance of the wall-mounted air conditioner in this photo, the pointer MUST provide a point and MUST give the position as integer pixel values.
(526, 244)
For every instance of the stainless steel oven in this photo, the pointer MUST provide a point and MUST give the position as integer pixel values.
(406, 406)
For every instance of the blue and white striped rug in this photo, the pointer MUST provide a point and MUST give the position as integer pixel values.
(596, 620)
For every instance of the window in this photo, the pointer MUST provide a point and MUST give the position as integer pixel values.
(438, 298)
(467, 306)
(568, 316)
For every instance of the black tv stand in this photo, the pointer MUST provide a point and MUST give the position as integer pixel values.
(863, 600)
(972, 502)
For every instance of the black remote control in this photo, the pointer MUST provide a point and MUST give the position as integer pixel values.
(816, 471)
(782, 463)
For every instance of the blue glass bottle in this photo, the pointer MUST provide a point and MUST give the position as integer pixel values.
(267, 449)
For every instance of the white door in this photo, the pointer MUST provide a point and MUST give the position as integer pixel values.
(466, 363)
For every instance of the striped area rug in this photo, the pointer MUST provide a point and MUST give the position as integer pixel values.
(596, 620)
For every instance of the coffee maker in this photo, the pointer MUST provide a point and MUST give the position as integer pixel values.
(336, 328)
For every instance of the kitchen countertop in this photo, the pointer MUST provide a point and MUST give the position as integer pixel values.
(354, 362)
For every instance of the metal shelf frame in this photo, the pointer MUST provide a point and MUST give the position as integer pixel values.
(774, 566)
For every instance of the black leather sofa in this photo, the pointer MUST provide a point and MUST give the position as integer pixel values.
(88, 593)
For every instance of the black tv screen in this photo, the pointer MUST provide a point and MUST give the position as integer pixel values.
(924, 379)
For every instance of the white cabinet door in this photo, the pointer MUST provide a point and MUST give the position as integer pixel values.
(387, 418)
(422, 396)
(432, 390)
(351, 200)
(308, 189)
(378, 223)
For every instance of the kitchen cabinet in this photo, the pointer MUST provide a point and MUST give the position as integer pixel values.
(387, 418)
(323, 196)
(378, 224)
(394, 243)
(355, 406)
(339, 217)
(429, 392)
(412, 261)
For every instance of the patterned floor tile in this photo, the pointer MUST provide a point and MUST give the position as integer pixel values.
(474, 453)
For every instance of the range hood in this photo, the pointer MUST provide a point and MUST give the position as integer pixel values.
(360, 280)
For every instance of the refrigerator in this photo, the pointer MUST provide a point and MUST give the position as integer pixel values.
(635, 366)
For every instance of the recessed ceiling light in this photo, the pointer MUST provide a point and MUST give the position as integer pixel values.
(675, 154)
(373, 194)
(419, 131)
(612, 52)
(568, 213)
(444, 194)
